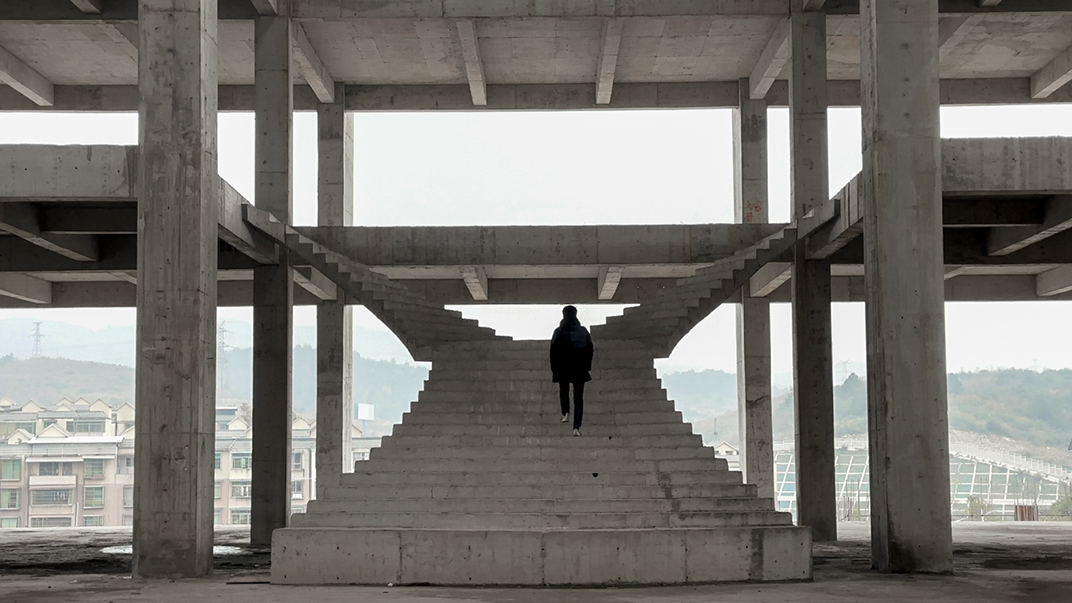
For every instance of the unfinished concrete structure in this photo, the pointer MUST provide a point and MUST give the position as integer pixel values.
(155, 227)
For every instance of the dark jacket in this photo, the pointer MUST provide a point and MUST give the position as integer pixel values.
(571, 353)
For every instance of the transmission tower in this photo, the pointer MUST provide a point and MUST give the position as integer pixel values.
(37, 337)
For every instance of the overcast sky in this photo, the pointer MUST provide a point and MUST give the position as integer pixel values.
(591, 168)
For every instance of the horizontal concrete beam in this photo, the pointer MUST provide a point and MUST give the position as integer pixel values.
(1016, 165)
(1058, 218)
(69, 172)
(458, 97)
(539, 245)
(26, 288)
(337, 10)
(1055, 281)
(577, 291)
(25, 80)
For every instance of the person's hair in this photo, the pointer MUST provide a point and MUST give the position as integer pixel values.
(569, 318)
(569, 312)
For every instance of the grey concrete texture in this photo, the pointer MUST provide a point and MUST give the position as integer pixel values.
(906, 375)
(993, 563)
(175, 380)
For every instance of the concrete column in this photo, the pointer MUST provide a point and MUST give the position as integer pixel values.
(813, 387)
(273, 298)
(175, 382)
(753, 314)
(907, 407)
(334, 319)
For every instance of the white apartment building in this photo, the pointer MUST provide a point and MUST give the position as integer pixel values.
(73, 464)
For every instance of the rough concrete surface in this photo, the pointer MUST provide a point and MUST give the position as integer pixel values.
(1000, 562)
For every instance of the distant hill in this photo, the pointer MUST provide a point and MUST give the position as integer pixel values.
(389, 386)
(47, 380)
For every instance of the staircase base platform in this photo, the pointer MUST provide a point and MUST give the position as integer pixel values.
(540, 557)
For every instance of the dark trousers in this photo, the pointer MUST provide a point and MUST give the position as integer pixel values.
(578, 401)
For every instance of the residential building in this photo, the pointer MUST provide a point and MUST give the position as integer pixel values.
(72, 465)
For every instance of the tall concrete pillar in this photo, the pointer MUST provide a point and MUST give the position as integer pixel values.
(334, 319)
(175, 382)
(273, 297)
(906, 376)
(813, 387)
(753, 314)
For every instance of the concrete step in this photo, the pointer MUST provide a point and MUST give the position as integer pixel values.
(641, 367)
(521, 418)
(546, 505)
(540, 558)
(537, 373)
(563, 440)
(529, 521)
(608, 453)
(712, 483)
(543, 430)
(540, 465)
(542, 406)
(537, 395)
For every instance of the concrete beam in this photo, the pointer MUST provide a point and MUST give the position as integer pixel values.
(90, 7)
(608, 60)
(68, 172)
(837, 234)
(535, 97)
(608, 245)
(474, 66)
(813, 4)
(988, 3)
(21, 220)
(771, 61)
(265, 7)
(1003, 241)
(314, 281)
(26, 288)
(1054, 75)
(335, 10)
(311, 67)
(770, 278)
(234, 230)
(25, 80)
(1052, 282)
(953, 29)
(476, 280)
(607, 283)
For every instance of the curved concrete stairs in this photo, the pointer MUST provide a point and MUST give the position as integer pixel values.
(481, 484)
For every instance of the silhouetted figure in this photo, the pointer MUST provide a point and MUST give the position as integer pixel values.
(571, 361)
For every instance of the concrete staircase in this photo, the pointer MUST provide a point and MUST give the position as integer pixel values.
(482, 484)
(662, 322)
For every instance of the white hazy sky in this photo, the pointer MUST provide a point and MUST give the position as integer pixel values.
(627, 167)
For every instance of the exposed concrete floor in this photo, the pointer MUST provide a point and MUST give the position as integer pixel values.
(1007, 562)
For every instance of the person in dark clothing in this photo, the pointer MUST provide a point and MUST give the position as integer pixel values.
(571, 361)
